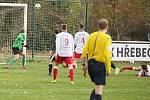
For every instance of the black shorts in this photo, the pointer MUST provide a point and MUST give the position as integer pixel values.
(17, 50)
(52, 57)
(97, 72)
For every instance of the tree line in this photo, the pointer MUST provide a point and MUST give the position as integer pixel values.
(129, 19)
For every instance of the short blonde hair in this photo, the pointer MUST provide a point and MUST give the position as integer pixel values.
(103, 24)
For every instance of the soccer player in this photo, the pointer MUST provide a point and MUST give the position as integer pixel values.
(130, 68)
(144, 70)
(64, 52)
(79, 41)
(99, 52)
(52, 53)
(17, 49)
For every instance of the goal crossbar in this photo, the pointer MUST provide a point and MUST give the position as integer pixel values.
(13, 4)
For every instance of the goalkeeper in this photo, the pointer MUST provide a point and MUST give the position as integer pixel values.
(17, 49)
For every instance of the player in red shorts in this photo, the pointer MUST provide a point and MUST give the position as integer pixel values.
(144, 70)
(64, 52)
(79, 41)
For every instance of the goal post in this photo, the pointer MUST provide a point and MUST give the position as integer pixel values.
(13, 18)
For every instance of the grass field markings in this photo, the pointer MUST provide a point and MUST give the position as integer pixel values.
(55, 90)
(87, 89)
(4, 82)
(25, 92)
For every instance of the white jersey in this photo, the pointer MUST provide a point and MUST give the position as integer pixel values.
(146, 73)
(64, 44)
(79, 41)
(148, 70)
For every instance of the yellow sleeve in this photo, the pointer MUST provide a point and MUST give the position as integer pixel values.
(108, 54)
(85, 49)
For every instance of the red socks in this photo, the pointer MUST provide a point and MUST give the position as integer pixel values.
(71, 74)
(55, 70)
(127, 68)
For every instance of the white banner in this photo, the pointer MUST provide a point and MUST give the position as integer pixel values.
(128, 52)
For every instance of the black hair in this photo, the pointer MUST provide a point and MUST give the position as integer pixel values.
(144, 67)
(81, 25)
(57, 30)
(64, 27)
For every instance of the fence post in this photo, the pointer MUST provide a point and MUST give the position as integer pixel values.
(33, 28)
(86, 14)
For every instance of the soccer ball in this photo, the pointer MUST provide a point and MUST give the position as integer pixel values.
(37, 6)
(132, 61)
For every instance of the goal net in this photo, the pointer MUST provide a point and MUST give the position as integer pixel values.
(50, 15)
(13, 17)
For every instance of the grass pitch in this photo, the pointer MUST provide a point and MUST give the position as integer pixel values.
(35, 84)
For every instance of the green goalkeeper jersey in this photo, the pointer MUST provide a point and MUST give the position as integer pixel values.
(19, 41)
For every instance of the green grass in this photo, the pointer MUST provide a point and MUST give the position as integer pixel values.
(35, 84)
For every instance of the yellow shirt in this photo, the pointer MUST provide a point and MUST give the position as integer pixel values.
(102, 52)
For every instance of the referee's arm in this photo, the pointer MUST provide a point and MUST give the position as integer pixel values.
(108, 55)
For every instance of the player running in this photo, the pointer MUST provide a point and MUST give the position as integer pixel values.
(64, 52)
(17, 49)
(79, 40)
